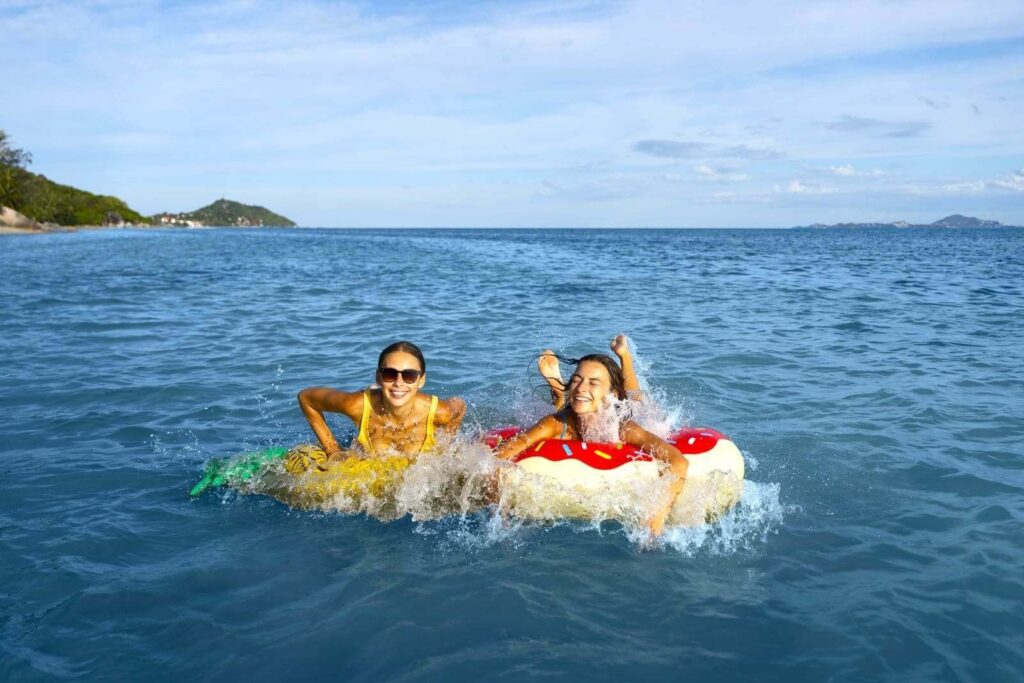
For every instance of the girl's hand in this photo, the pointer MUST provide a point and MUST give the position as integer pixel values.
(656, 525)
(548, 365)
(620, 345)
(656, 522)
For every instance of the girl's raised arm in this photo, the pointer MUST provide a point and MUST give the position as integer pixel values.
(552, 374)
(620, 345)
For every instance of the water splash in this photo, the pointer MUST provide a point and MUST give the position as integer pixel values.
(457, 482)
(457, 494)
(746, 527)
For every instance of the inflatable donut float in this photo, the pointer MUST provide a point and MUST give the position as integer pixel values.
(558, 478)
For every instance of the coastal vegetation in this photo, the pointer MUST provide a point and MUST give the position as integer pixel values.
(45, 201)
(45, 204)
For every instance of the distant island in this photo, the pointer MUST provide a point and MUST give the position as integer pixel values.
(30, 202)
(224, 213)
(952, 221)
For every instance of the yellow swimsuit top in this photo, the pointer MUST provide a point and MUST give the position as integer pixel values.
(364, 426)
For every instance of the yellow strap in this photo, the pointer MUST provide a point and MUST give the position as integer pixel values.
(430, 441)
(364, 426)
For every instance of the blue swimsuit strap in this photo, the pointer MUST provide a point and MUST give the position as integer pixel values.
(565, 423)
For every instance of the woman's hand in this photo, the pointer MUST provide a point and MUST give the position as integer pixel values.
(552, 373)
(548, 365)
(656, 523)
(620, 345)
(630, 382)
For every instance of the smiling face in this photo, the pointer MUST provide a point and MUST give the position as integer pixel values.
(398, 393)
(588, 387)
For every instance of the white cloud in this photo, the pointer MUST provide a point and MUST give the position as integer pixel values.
(322, 101)
(801, 187)
(966, 187)
(672, 149)
(718, 175)
(1013, 182)
(848, 171)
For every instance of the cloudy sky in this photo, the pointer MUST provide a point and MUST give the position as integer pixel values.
(578, 113)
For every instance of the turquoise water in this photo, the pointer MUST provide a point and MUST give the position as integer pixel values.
(873, 380)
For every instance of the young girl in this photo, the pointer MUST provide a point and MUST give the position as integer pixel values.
(585, 412)
(395, 418)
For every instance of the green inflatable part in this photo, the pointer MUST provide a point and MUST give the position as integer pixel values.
(243, 468)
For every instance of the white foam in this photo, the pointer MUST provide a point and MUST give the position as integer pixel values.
(453, 494)
(743, 528)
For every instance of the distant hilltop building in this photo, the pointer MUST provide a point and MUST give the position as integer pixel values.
(176, 220)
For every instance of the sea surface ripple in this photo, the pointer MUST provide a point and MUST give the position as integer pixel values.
(872, 378)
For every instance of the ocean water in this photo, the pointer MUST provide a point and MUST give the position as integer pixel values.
(873, 380)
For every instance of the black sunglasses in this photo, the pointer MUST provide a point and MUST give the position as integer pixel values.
(391, 375)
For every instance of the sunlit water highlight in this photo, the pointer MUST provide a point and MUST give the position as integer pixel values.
(872, 380)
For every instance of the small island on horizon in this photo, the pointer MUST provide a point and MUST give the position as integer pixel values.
(955, 220)
(224, 213)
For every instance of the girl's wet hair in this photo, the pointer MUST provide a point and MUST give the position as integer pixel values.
(406, 346)
(614, 372)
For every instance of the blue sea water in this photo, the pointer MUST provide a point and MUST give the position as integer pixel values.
(873, 379)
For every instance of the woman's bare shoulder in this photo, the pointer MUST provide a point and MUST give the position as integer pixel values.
(449, 409)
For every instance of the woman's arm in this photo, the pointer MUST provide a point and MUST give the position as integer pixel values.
(449, 415)
(635, 435)
(546, 428)
(620, 345)
(552, 373)
(314, 401)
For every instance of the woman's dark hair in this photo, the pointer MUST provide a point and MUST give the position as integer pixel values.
(614, 372)
(406, 346)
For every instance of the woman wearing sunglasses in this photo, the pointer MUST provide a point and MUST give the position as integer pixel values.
(394, 418)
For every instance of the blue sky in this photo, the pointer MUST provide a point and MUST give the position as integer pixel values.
(746, 114)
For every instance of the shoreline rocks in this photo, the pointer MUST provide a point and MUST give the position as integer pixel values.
(12, 220)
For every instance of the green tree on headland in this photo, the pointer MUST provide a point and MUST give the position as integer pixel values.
(11, 160)
(45, 201)
(11, 156)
